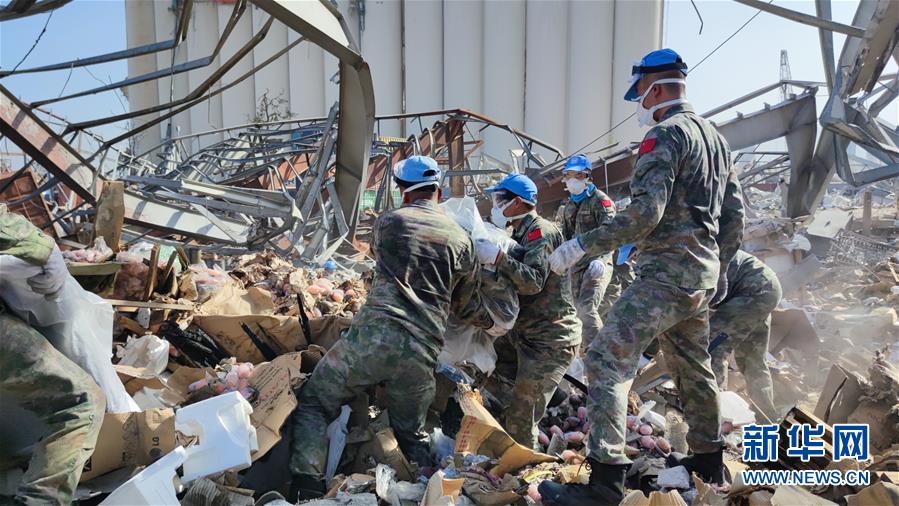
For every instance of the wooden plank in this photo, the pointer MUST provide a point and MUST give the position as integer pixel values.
(110, 214)
(134, 305)
(154, 266)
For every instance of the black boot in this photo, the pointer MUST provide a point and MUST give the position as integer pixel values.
(709, 466)
(606, 487)
(304, 487)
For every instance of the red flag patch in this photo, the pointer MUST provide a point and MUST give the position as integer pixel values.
(533, 235)
(647, 145)
(606, 202)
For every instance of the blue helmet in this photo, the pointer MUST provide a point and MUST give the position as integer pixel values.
(660, 60)
(624, 252)
(417, 169)
(578, 163)
(519, 185)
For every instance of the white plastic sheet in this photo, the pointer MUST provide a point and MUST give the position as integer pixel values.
(145, 352)
(337, 431)
(77, 323)
(463, 342)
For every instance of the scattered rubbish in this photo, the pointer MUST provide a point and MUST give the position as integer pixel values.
(674, 477)
(157, 485)
(225, 436)
(735, 409)
(336, 441)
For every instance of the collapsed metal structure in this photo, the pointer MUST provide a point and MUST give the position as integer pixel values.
(858, 93)
(296, 185)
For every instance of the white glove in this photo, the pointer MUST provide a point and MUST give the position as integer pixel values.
(596, 269)
(487, 251)
(52, 277)
(566, 255)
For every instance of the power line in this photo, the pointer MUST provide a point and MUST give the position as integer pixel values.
(725, 41)
(38, 39)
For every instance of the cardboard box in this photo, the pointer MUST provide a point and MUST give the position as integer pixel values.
(481, 434)
(275, 383)
(131, 439)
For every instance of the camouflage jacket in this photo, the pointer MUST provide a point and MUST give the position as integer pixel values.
(546, 306)
(426, 267)
(682, 187)
(584, 216)
(749, 276)
(20, 238)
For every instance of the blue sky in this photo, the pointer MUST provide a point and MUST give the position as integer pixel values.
(746, 63)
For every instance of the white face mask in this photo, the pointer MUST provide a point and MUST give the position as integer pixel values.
(646, 116)
(499, 219)
(575, 186)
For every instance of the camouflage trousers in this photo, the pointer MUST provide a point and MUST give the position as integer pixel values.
(746, 319)
(63, 398)
(622, 277)
(371, 353)
(589, 296)
(540, 369)
(646, 310)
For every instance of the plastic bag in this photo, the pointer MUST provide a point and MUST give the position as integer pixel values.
(203, 281)
(97, 253)
(78, 324)
(463, 342)
(147, 351)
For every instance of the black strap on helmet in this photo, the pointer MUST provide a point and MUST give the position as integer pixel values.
(652, 69)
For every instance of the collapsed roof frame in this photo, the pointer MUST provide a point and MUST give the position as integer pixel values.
(317, 22)
(852, 82)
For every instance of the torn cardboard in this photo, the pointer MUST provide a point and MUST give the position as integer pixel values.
(131, 439)
(275, 383)
(442, 491)
(789, 495)
(384, 449)
(481, 434)
(875, 495)
(839, 396)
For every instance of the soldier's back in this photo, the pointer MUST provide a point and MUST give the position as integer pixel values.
(420, 252)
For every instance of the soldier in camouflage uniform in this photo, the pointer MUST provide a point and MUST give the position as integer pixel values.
(753, 291)
(34, 376)
(683, 189)
(587, 208)
(547, 334)
(426, 266)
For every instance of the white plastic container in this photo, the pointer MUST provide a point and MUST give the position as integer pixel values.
(157, 485)
(226, 438)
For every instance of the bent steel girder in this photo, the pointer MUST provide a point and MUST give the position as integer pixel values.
(22, 8)
(36, 139)
(323, 24)
(180, 36)
(174, 69)
(859, 68)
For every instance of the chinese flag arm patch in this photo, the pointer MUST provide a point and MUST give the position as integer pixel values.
(533, 235)
(606, 203)
(647, 145)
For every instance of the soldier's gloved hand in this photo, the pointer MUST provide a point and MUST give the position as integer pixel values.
(596, 269)
(487, 251)
(52, 276)
(720, 291)
(566, 255)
